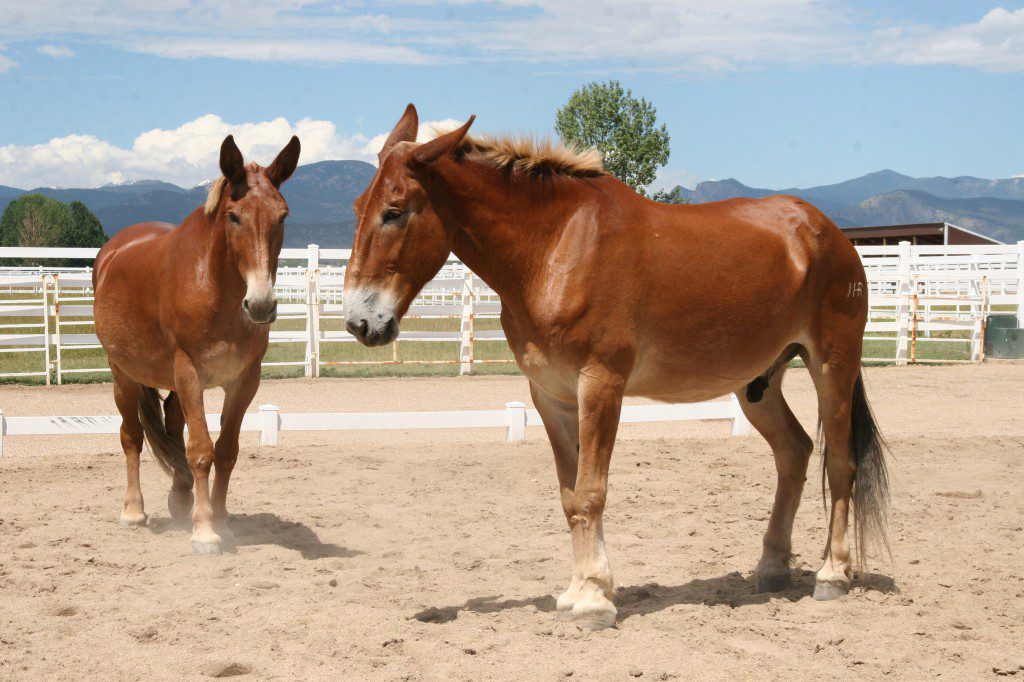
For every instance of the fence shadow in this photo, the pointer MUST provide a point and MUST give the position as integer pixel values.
(732, 589)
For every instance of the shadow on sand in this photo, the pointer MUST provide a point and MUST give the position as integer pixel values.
(732, 589)
(268, 529)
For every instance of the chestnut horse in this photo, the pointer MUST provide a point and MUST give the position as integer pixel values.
(605, 293)
(186, 308)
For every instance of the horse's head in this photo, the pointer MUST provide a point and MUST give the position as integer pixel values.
(247, 203)
(401, 242)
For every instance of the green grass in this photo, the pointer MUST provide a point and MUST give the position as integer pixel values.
(408, 352)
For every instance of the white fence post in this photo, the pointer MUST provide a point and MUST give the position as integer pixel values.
(46, 325)
(1020, 284)
(903, 306)
(313, 311)
(3, 427)
(515, 416)
(466, 351)
(270, 424)
(740, 424)
(56, 325)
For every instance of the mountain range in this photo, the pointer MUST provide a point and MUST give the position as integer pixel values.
(992, 207)
(320, 197)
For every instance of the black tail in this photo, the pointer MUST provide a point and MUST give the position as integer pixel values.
(168, 449)
(870, 482)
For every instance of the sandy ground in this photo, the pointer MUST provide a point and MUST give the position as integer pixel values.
(436, 554)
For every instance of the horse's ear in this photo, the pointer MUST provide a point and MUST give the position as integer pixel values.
(428, 152)
(284, 165)
(231, 163)
(405, 131)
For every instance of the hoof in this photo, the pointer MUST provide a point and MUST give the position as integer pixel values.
(591, 615)
(827, 591)
(179, 504)
(567, 600)
(134, 519)
(205, 548)
(776, 582)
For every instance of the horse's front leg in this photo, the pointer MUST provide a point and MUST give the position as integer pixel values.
(600, 397)
(237, 398)
(562, 423)
(199, 451)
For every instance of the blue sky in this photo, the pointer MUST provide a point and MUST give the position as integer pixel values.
(776, 93)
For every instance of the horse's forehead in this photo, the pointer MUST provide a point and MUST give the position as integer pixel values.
(260, 188)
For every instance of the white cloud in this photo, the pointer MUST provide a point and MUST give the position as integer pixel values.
(56, 51)
(261, 50)
(668, 179)
(185, 155)
(638, 35)
(994, 43)
(6, 63)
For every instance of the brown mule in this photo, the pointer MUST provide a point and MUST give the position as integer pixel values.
(186, 308)
(605, 293)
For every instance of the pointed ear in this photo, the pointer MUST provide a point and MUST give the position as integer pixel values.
(405, 131)
(428, 152)
(284, 165)
(231, 163)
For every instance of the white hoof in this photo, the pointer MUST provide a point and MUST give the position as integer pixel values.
(134, 518)
(568, 599)
(594, 612)
(827, 591)
(205, 543)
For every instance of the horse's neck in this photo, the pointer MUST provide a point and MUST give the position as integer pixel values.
(212, 268)
(504, 249)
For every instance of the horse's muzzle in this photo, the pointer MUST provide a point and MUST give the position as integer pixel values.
(261, 312)
(373, 334)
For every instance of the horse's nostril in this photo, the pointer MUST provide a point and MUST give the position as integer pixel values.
(364, 326)
(245, 304)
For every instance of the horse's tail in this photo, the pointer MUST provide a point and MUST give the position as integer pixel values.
(168, 448)
(871, 482)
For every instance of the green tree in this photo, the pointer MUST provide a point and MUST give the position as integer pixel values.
(623, 128)
(38, 220)
(673, 196)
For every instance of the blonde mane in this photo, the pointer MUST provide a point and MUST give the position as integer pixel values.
(529, 154)
(213, 196)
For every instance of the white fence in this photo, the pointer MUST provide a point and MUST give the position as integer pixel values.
(917, 295)
(270, 421)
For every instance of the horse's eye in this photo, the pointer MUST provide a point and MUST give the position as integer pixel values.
(233, 217)
(392, 214)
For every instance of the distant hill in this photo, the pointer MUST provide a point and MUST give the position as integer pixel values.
(319, 197)
(991, 207)
(1001, 219)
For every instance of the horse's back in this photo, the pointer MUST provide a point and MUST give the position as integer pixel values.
(706, 280)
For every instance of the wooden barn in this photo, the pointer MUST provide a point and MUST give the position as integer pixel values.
(919, 233)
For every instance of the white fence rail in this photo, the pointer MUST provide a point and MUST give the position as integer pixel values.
(270, 421)
(917, 295)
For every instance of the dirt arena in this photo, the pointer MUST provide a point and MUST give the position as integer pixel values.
(437, 554)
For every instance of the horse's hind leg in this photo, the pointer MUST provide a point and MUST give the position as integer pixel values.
(834, 378)
(180, 498)
(792, 448)
(126, 397)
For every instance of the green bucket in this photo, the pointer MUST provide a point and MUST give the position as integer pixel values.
(1004, 340)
